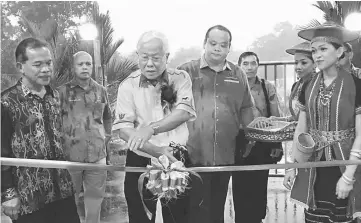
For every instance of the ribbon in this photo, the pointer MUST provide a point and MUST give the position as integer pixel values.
(165, 180)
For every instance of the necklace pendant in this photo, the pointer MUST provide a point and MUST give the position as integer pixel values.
(324, 102)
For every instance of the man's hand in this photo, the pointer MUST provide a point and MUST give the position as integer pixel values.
(11, 208)
(289, 178)
(276, 152)
(139, 137)
(249, 147)
(168, 151)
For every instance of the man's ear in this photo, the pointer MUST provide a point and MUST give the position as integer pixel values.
(351, 56)
(167, 55)
(20, 67)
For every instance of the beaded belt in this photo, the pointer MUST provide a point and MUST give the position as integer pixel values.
(332, 136)
(324, 139)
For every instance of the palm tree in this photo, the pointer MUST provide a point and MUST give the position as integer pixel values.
(107, 46)
(61, 49)
(8, 80)
(337, 12)
(117, 70)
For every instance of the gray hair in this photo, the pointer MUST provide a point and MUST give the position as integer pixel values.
(147, 36)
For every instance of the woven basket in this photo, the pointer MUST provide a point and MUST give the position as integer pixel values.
(268, 130)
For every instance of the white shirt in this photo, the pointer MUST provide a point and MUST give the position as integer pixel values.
(138, 106)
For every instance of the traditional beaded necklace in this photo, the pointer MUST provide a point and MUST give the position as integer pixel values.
(326, 95)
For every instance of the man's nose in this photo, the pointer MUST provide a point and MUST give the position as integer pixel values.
(150, 63)
(45, 69)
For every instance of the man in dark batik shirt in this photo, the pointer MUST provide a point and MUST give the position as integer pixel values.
(87, 124)
(31, 129)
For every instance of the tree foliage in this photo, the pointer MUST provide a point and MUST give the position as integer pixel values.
(117, 70)
(48, 20)
(272, 46)
(108, 46)
(184, 55)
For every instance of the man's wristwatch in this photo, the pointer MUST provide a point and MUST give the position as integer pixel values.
(155, 129)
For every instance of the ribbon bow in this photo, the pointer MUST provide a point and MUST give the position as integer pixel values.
(165, 180)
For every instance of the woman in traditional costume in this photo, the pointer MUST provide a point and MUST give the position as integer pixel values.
(305, 69)
(330, 111)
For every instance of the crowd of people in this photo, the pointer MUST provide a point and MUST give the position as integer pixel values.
(204, 105)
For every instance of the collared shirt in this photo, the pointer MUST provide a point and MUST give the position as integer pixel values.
(220, 98)
(260, 108)
(145, 82)
(138, 105)
(355, 71)
(86, 119)
(31, 129)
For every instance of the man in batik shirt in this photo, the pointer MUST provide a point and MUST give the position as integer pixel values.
(31, 129)
(87, 124)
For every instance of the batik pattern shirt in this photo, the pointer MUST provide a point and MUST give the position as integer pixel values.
(87, 121)
(31, 129)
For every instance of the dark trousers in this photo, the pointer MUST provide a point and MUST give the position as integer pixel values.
(250, 187)
(214, 192)
(250, 195)
(61, 211)
(175, 211)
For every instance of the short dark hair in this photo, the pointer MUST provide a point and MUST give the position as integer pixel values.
(219, 27)
(348, 47)
(28, 43)
(247, 54)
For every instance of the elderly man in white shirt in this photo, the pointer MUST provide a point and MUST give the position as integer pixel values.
(153, 105)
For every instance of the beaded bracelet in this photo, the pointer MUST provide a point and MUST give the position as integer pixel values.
(290, 169)
(356, 154)
(347, 180)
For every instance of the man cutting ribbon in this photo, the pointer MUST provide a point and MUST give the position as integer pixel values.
(153, 105)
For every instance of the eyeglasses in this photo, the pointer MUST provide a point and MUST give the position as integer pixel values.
(146, 58)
